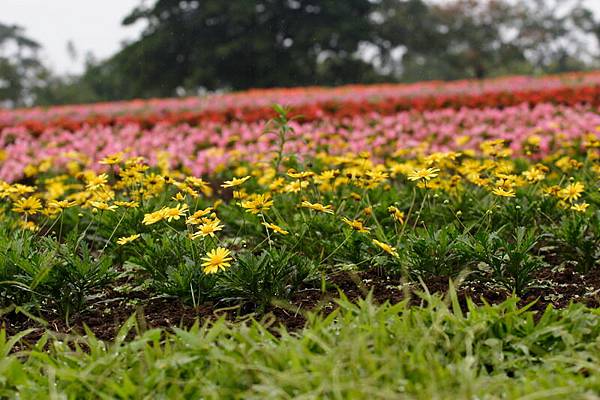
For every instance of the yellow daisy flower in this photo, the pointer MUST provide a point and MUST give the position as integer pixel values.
(423, 174)
(96, 182)
(396, 214)
(235, 182)
(503, 192)
(258, 203)
(127, 204)
(572, 192)
(173, 213)
(112, 159)
(100, 205)
(28, 206)
(196, 218)
(127, 239)
(215, 260)
(581, 207)
(386, 247)
(275, 228)
(208, 229)
(356, 225)
(318, 207)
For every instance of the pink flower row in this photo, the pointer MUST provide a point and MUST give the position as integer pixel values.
(203, 148)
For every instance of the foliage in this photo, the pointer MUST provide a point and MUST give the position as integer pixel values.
(474, 39)
(359, 350)
(434, 252)
(273, 275)
(510, 260)
(579, 239)
(46, 273)
(447, 40)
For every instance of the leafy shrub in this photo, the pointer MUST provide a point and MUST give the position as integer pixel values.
(44, 273)
(77, 272)
(259, 279)
(434, 253)
(510, 260)
(172, 267)
(579, 241)
(24, 270)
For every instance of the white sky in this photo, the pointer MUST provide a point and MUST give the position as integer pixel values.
(92, 25)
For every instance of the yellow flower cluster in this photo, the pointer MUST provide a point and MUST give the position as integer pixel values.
(165, 214)
(129, 186)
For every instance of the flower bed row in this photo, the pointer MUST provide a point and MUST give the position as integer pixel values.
(316, 102)
(211, 146)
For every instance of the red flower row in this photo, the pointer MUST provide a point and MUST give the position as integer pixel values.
(313, 103)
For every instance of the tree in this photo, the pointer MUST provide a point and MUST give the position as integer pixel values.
(478, 38)
(20, 67)
(219, 44)
(556, 35)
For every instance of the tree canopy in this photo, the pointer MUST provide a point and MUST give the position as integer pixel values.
(240, 44)
(20, 67)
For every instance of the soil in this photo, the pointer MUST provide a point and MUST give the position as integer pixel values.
(556, 287)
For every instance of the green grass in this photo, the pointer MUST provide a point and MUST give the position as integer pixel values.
(359, 351)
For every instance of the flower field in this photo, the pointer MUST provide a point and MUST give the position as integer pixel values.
(467, 213)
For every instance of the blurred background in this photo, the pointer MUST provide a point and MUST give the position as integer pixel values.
(70, 51)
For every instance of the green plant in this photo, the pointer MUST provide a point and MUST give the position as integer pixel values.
(24, 269)
(579, 240)
(186, 280)
(259, 279)
(281, 127)
(45, 274)
(173, 267)
(510, 260)
(76, 274)
(434, 253)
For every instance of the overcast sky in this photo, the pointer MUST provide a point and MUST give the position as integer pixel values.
(91, 25)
